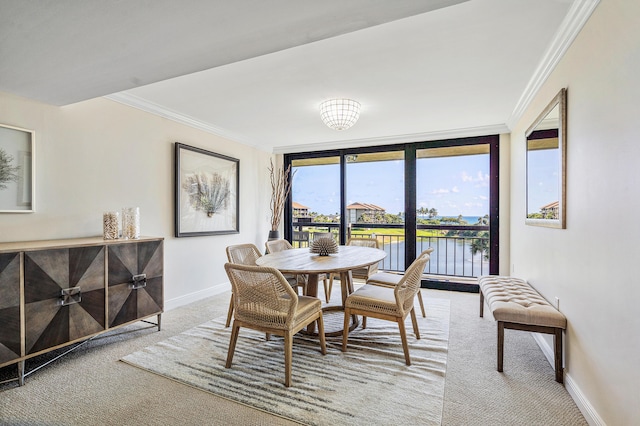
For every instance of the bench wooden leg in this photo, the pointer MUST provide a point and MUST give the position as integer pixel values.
(481, 304)
(500, 345)
(557, 342)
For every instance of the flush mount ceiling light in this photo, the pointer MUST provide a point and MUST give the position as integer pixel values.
(340, 114)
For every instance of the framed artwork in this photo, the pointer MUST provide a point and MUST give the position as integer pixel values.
(206, 192)
(17, 170)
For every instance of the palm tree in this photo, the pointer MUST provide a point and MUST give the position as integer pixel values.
(480, 244)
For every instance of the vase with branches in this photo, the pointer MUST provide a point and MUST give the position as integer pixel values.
(280, 189)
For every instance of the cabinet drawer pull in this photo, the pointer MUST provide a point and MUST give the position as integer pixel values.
(70, 296)
(138, 281)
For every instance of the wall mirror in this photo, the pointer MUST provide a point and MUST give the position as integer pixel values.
(546, 165)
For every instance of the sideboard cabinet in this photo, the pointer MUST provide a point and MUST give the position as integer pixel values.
(58, 292)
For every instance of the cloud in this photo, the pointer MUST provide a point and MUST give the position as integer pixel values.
(440, 191)
(455, 189)
(480, 179)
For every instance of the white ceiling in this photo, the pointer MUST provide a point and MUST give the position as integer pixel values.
(255, 71)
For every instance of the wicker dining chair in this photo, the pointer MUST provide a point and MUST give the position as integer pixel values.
(242, 254)
(274, 246)
(386, 303)
(360, 273)
(387, 279)
(265, 301)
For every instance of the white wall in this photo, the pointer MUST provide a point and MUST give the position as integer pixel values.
(592, 266)
(100, 155)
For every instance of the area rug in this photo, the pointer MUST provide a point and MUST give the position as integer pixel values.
(369, 384)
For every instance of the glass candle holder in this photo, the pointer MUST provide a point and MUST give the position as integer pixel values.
(131, 223)
(110, 225)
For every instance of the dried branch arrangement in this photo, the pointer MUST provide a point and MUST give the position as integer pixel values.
(208, 193)
(8, 173)
(280, 188)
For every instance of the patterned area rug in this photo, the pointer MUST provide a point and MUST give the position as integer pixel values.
(369, 384)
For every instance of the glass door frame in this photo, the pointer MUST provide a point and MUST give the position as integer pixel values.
(410, 199)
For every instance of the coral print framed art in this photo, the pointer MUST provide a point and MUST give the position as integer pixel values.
(17, 171)
(206, 192)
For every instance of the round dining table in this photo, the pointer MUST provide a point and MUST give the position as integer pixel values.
(302, 261)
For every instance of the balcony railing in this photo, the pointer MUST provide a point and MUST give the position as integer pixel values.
(453, 245)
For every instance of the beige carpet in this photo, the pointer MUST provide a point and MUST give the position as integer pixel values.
(338, 388)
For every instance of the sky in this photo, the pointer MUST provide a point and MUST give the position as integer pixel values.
(452, 185)
(543, 184)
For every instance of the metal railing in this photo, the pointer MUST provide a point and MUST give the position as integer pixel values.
(453, 245)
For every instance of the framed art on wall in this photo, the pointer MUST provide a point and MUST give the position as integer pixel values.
(17, 170)
(206, 192)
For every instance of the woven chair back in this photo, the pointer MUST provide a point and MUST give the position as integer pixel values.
(243, 254)
(363, 242)
(275, 246)
(426, 252)
(262, 296)
(409, 285)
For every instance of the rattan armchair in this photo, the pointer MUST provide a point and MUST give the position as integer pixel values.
(265, 301)
(242, 254)
(386, 303)
(387, 279)
(274, 246)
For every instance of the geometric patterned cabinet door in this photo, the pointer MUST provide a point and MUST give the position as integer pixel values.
(129, 298)
(10, 347)
(64, 295)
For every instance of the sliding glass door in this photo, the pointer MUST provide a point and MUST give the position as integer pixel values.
(315, 199)
(452, 194)
(375, 202)
(440, 194)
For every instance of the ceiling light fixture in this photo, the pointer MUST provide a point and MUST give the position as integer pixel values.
(340, 114)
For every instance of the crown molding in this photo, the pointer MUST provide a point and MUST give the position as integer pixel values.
(153, 108)
(576, 17)
(390, 140)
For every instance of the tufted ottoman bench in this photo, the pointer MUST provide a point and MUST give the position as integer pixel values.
(516, 305)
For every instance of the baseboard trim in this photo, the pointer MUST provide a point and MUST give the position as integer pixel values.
(585, 407)
(185, 299)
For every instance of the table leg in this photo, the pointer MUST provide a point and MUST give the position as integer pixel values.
(346, 288)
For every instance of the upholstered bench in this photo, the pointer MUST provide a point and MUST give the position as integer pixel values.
(516, 305)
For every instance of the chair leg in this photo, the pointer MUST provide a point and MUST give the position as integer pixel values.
(230, 313)
(403, 336)
(364, 322)
(345, 330)
(424, 314)
(288, 352)
(414, 321)
(232, 344)
(323, 342)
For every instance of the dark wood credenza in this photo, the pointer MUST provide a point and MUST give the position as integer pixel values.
(59, 292)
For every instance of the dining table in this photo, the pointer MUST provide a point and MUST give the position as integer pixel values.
(303, 261)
